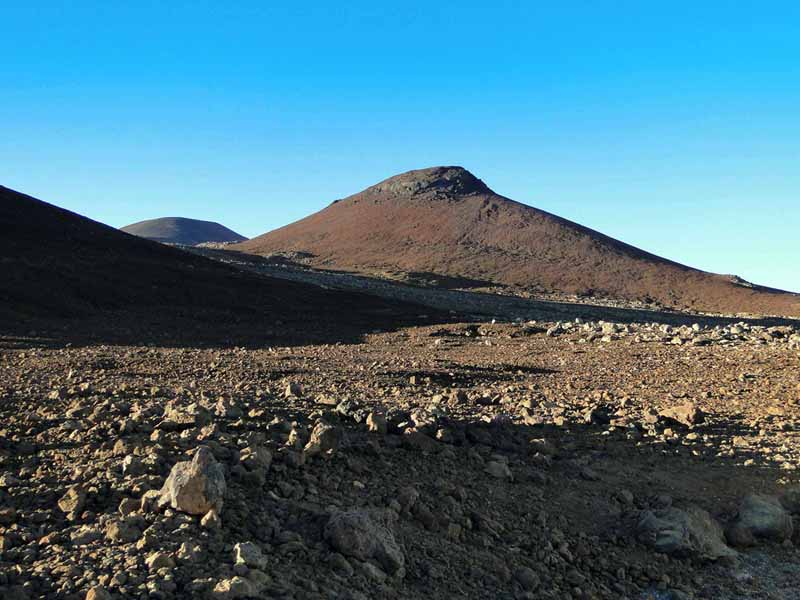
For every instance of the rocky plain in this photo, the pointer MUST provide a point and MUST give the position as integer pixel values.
(217, 425)
(571, 459)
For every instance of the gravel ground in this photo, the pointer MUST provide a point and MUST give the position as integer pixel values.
(452, 461)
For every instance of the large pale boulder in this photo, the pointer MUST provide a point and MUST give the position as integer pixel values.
(325, 439)
(760, 518)
(689, 532)
(687, 414)
(357, 534)
(196, 486)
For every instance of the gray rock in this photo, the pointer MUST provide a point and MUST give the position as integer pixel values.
(124, 530)
(687, 414)
(183, 417)
(195, 486)
(250, 555)
(325, 439)
(527, 578)
(689, 532)
(357, 534)
(256, 458)
(498, 469)
(790, 499)
(416, 440)
(159, 560)
(760, 518)
(74, 500)
(235, 587)
(293, 390)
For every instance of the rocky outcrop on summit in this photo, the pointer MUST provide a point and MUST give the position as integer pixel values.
(445, 222)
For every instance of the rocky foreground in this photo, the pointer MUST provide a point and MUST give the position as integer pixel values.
(529, 460)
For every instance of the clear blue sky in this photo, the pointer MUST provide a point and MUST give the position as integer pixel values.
(674, 126)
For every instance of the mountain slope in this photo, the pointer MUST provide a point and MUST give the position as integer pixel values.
(58, 265)
(444, 220)
(179, 230)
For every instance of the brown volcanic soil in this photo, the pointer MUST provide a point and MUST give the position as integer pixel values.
(60, 269)
(572, 419)
(445, 221)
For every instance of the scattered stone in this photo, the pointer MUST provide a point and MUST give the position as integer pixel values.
(376, 422)
(98, 593)
(73, 501)
(416, 440)
(687, 414)
(197, 486)
(293, 390)
(689, 532)
(235, 587)
(159, 560)
(527, 578)
(760, 518)
(499, 470)
(124, 530)
(250, 555)
(211, 520)
(357, 534)
(325, 439)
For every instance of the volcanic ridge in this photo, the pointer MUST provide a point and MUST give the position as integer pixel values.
(61, 267)
(446, 221)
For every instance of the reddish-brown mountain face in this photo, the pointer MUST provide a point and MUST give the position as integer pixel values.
(444, 220)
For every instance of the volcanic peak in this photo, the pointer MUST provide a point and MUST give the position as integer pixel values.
(450, 181)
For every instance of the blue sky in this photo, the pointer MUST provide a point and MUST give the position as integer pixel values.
(674, 126)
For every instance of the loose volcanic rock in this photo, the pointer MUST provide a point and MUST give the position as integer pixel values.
(376, 422)
(98, 593)
(211, 520)
(159, 560)
(567, 525)
(683, 532)
(499, 470)
(357, 534)
(124, 530)
(250, 555)
(293, 390)
(235, 587)
(687, 414)
(195, 486)
(178, 417)
(74, 500)
(760, 518)
(325, 439)
(790, 499)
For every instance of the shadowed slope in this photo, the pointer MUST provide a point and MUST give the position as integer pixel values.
(179, 230)
(444, 220)
(56, 264)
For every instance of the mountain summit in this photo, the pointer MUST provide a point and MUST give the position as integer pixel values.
(441, 181)
(180, 230)
(446, 221)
